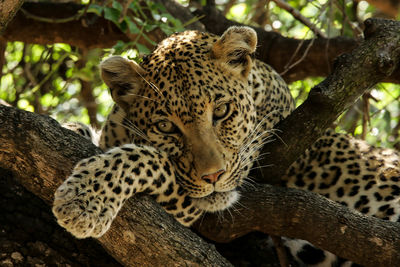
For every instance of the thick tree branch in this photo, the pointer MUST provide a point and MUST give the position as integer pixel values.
(183, 14)
(29, 148)
(87, 32)
(41, 154)
(299, 214)
(93, 31)
(8, 8)
(374, 60)
(278, 50)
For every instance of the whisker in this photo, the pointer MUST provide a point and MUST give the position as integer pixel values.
(152, 85)
(145, 97)
(262, 166)
(129, 125)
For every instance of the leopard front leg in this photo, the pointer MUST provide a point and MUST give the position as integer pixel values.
(88, 201)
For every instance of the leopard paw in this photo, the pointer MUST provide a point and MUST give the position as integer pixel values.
(82, 207)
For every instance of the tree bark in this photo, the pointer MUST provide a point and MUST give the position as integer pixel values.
(299, 214)
(92, 31)
(278, 51)
(41, 154)
(29, 235)
(374, 60)
(8, 8)
(88, 32)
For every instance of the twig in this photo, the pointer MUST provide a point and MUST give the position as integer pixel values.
(296, 14)
(228, 6)
(280, 250)
(50, 73)
(3, 46)
(53, 20)
(357, 31)
(365, 118)
(124, 10)
(287, 68)
(260, 15)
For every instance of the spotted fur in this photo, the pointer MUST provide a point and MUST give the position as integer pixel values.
(188, 124)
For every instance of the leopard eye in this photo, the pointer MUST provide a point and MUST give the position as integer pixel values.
(221, 111)
(166, 127)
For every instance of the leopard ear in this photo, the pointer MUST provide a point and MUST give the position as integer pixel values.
(123, 77)
(234, 49)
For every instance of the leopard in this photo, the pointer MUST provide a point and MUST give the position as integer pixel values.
(188, 124)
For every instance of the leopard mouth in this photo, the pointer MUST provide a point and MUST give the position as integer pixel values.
(217, 201)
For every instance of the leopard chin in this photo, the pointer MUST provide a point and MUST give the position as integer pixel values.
(217, 201)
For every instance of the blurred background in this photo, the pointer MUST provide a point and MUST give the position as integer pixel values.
(50, 52)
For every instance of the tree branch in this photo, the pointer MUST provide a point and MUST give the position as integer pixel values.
(91, 31)
(40, 158)
(277, 50)
(299, 214)
(99, 32)
(41, 154)
(375, 59)
(88, 31)
(8, 8)
(296, 14)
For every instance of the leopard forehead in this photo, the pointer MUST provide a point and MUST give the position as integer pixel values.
(183, 78)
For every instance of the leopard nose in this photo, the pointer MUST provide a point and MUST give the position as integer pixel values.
(213, 177)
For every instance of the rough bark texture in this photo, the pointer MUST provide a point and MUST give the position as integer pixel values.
(376, 58)
(29, 235)
(41, 155)
(277, 50)
(137, 238)
(298, 214)
(93, 31)
(8, 8)
(88, 32)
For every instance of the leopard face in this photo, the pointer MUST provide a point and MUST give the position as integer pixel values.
(191, 99)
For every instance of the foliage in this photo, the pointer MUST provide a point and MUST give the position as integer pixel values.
(50, 79)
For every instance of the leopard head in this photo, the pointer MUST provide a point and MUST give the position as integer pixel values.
(191, 99)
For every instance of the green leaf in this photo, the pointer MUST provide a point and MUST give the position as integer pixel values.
(112, 14)
(387, 118)
(123, 26)
(132, 26)
(166, 29)
(158, 6)
(97, 9)
(117, 6)
(142, 49)
(119, 47)
(149, 40)
(150, 27)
